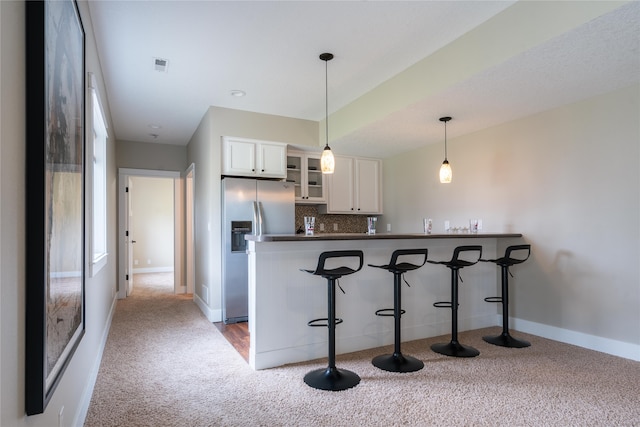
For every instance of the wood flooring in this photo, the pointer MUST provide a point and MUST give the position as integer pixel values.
(238, 336)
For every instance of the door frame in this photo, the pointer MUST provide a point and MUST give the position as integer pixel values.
(189, 229)
(124, 174)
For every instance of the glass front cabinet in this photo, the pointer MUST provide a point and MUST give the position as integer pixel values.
(303, 169)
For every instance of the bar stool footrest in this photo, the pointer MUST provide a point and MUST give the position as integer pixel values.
(493, 299)
(315, 322)
(388, 312)
(443, 304)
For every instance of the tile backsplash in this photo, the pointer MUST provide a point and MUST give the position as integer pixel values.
(345, 223)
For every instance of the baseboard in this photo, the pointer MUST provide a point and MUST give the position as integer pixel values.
(211, 315)
(592, 342)
(168, 269)
(83, 408)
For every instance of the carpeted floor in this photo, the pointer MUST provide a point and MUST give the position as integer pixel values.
(165, 365)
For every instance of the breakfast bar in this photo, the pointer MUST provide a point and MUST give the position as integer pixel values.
(282, 299)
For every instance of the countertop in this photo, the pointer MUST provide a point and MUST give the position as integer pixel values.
(378, 236)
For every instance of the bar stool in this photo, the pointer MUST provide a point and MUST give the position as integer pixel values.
(505, 339)
(332, 378)
(454, 348)
(397, 362)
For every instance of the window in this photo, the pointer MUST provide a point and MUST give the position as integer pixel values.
(98, 173)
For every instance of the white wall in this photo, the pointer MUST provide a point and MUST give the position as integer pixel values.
(204, 150)
(73, 391)
(568, 179)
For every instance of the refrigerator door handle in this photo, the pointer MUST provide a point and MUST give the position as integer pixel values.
(257, 218)
(261, 218)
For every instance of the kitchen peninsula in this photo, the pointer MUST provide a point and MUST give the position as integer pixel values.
(282, 299)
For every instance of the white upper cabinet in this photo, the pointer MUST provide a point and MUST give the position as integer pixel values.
(355, 187)
(303, 169)
(253, 158)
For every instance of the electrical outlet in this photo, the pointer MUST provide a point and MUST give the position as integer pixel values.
(388, 227)
(335, 227)
(321, 226)
(135, 262)
(149, 262)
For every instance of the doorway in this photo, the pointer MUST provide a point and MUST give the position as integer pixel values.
(157, 245)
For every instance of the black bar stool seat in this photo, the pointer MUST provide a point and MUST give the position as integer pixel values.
(332, 378)
(505, 339)
(397, 362)
(453, 347)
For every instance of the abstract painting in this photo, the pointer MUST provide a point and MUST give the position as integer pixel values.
(55, 151)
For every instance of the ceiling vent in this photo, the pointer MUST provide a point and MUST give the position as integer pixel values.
(160, 64)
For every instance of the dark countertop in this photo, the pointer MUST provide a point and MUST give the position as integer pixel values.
(380, 236)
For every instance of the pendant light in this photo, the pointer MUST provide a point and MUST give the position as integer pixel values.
(445, 169)
(327, 162)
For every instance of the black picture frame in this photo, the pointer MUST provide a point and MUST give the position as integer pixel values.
(55, 188)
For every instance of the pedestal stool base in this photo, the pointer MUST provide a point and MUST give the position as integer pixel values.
(455, 349)
(397, 363)
(332, 379)
(506, 340)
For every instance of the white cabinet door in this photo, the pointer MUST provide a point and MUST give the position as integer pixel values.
(355, 187)
(341, 186)
(272, 160)
(253, 158)
(368, 191)
(303, 169)
(239, 157)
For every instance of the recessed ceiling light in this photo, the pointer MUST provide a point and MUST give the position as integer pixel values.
(238, 93)
(152, 126)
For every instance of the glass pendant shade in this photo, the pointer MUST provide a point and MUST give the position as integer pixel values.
(327, 162)
(445, 172)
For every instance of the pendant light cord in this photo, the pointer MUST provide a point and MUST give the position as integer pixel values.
(326, 101)
(445, 140)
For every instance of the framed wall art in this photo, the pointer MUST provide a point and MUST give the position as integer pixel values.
(55, 165)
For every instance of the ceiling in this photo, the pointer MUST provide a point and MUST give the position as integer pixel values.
(270, 49)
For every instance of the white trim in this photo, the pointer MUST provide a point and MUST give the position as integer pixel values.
(189, 225)
(591, 342)
(168, 269)
(123, 176)
(98, 263)
(210, 314)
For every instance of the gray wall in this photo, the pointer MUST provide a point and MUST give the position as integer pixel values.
(204, 150)
(74, 391)
(568, 179)
(144, 155)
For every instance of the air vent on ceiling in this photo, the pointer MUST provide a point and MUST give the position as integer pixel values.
(160, 64)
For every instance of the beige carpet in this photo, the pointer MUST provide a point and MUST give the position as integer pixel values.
(165, 365)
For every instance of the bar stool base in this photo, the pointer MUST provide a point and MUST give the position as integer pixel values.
(455, 349)
(506, 340)
(332, 379)
(397, 362)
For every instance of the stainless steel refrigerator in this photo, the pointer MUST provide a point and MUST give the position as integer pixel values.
(249, 206)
